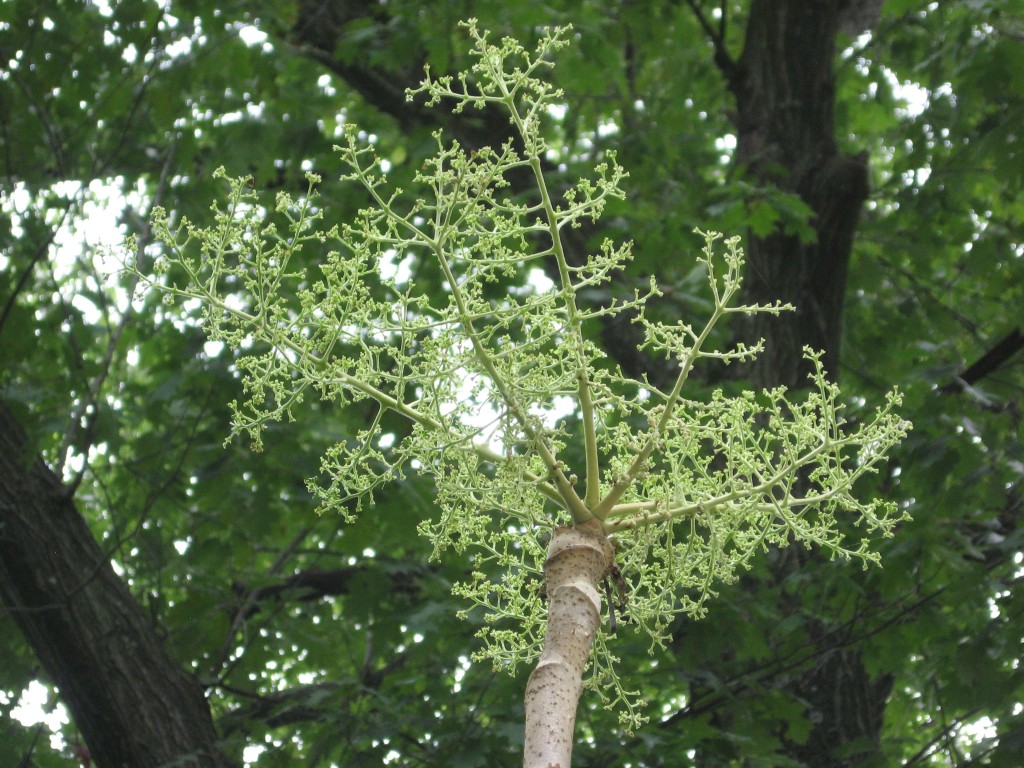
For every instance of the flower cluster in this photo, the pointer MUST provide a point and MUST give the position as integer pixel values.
(688, 490)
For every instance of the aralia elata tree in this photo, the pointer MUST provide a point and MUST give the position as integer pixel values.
(673, 494)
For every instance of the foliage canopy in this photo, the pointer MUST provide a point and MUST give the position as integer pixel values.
(110, 108)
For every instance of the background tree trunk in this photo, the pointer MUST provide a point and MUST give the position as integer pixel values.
(784, 85)
(135, 707)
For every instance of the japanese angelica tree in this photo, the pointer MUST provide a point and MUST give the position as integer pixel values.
(672, 494)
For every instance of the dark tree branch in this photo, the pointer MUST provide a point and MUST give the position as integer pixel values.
(318, 33)
(304, 703)
(42, 249)
(92, 396)
(318, 583)
(991, 361)
(26, 759)
(299, 704)
(723, 60)
(835, 640)
(943, 738)
(858, 16)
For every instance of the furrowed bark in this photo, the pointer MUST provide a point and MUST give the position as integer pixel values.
(135, 706)
(785, 89)
(578, 558)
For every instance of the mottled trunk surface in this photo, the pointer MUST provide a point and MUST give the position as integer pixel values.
(578, 558)
(135, 707)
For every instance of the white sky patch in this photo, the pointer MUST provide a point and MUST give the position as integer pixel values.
(727, 146)
(15, 203)
(251, 753)
(557, 112)
(182, 47)
(560, 407)
(397, 270)
(982, 729)
(252, 36)
(210, 348)
(538, 279)
(326, 84)
(33, 708)
(914, 95)
(93, 231)
(460, 672)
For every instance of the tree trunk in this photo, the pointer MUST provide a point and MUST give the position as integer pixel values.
(784, 86)
(578, 558)
(135, 707)
(851, 702)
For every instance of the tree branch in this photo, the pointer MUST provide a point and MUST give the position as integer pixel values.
(316, 583)
(990, 362)
(722, 59)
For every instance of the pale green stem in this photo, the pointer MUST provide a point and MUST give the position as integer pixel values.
(639, 463)
(378, 395)
(570, 500)
(566, 494)
(635, 516)
(584, 396)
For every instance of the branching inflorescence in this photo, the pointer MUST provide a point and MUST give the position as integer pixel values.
(688, 491)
